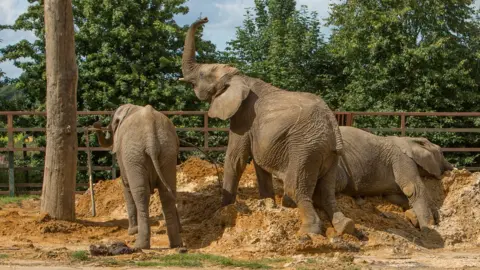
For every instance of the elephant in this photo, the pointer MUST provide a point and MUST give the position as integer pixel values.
(146, 147)
(293, 134)
(391, 166)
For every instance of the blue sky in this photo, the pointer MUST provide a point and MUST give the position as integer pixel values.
(224, 16)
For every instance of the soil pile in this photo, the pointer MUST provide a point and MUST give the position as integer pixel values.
(460, 212)
(252, 225)
(108, 197)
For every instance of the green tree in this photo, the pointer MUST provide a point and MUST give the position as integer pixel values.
(281, 45)
(409, 56)
(128, 51)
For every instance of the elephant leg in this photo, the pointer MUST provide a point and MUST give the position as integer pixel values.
(407, 178)
(398, 199)
(169, 207)
(235, 163)
(325, 198)
(265, 183)
(131, 211)
(299, 185)
(130, 203)
(288, 202)
(140, 190)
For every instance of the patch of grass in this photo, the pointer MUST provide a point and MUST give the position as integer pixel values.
(80, 255)
(3, 256)
(113, 262)
(198, 259)
(17, 199)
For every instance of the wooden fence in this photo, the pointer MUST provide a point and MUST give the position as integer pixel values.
(343, 118)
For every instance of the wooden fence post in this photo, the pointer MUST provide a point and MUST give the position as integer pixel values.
(205, 128)
(11, 156)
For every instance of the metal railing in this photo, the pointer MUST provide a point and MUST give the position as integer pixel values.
(343, 118)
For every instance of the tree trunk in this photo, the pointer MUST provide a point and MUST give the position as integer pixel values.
(58, 193)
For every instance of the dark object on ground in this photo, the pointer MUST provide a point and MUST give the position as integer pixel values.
(113, 249)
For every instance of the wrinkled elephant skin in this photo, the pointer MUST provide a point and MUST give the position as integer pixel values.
(146, 146)
(293, 134)
(393, 167)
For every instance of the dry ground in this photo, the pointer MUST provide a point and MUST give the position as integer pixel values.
(252, 233)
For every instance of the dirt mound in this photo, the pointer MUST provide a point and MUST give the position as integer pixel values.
(261, 226)
(460, 212)
(108, 197)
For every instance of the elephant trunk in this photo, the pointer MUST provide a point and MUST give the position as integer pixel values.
(188, 58)
(447, 165)
(102, 140)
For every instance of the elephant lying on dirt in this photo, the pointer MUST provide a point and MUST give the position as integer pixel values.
(146, 146)
(293, 134)
(393, 167)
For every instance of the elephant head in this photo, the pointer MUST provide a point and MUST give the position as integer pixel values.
(428, 156)
(118, 117)
(221, 85)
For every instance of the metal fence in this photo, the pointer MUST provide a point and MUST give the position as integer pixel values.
(343, 118)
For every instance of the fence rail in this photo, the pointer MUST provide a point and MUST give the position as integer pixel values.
(343, 118)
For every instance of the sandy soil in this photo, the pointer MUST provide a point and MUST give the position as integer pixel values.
(253, 228)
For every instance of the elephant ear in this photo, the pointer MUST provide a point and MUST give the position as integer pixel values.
(426, 154)
(227, 103)
(120, 114)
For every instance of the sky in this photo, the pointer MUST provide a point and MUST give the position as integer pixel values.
(224, 16)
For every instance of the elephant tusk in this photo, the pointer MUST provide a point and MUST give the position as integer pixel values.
(181, 79)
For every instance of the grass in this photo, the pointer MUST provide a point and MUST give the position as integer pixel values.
(17, 199)
(113, 262)
(80, 255)
(3, 256)
(198, 260)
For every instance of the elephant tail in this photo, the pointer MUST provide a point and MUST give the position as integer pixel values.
(156, 164)
(339, 149)
(336, 131)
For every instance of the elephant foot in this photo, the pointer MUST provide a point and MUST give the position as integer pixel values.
(412, 217)
(142, 244)
(315, 228)
(288, 202)
(133, 230)
(228, 198)
(343, 224)
(176, 245)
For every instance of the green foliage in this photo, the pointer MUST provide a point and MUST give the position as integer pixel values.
(281, 45)
(409, 56)
(383, 55)
(128, 52)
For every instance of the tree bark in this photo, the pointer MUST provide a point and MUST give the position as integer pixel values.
(58, 193)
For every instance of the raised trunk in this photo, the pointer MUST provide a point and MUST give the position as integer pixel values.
(188, 58)
(58, 192)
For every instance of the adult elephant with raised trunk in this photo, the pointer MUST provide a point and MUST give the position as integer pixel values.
(292, 134)
(146, 146)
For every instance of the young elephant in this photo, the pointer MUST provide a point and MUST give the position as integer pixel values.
(293, 134)
(391, 166)
(146, 146)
